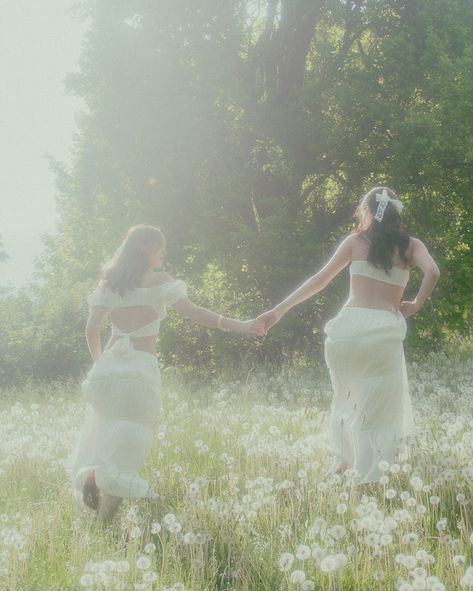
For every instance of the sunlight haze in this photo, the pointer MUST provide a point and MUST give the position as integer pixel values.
(40, 44)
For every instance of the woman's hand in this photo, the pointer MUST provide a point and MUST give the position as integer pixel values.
(269, 319)
(254, 327)
(408, 309)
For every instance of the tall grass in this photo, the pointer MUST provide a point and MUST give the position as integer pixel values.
(247, 497)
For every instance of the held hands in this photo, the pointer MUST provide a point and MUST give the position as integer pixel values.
(408, 309)
(260, 326)
(269, 319)
(254, 328)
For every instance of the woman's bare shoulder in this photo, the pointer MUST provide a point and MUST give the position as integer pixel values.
(359, 243)
(414, 243)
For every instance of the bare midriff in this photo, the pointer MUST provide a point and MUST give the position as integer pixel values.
(371, 293)
(147, 344)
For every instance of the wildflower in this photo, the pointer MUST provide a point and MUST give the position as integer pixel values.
(123, 566)
(442, 524)
(303, 552)
(372, 539)
(318, 553)
(331, 563)
(419, 572)
(189, 538)
(458, 560)
(328, 564)
(150, 548)
(297, 577)
(87, 580)
(390, 493)
(143, 563)
(150, 577)
(416, 483)
(338, 532)
(308, 585)
(410, 538)
(383, 466)
(175, 527)
(285, 561)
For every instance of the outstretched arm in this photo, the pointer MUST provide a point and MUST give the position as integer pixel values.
(205, 317)
(421, 258)
(313, 285)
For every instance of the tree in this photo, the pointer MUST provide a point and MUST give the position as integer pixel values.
(248, 131)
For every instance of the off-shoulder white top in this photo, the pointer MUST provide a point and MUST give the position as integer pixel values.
(157, 297)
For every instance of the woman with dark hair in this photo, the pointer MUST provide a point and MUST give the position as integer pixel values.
(371, 407)
(123, 387)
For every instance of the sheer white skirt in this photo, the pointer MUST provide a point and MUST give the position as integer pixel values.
(123, 394)
(371, 407)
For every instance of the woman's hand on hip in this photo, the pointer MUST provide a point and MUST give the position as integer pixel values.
(408, 309)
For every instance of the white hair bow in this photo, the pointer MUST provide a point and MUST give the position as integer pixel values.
(383, 199)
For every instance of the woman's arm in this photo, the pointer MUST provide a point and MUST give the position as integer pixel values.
(205, 317)
(421, 257)
(314, 284)
(92, 330)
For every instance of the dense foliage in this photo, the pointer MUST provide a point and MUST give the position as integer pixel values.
(247, 130)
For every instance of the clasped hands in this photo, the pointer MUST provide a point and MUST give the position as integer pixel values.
(261, 325)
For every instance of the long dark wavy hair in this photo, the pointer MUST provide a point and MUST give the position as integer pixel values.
(385, 236)
(129, 263)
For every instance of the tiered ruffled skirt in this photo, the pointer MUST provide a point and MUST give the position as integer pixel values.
(371, 407)
(123, 395)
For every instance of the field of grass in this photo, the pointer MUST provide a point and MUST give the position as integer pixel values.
(248, 501)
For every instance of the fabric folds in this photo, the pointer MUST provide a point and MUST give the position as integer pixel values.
(371, 407)
(124, 401)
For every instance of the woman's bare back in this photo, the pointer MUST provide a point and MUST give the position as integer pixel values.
(366, 292)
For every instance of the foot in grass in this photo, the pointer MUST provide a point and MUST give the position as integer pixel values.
(90, 492)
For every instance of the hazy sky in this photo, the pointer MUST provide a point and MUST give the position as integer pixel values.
(40, 43)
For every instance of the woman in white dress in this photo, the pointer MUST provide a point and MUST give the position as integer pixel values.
(371, 408)
(123, 387)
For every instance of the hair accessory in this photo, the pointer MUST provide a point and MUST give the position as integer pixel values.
(383, 200)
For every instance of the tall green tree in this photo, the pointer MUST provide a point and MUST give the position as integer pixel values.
(248, 131)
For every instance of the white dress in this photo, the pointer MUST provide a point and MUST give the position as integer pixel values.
(123, 394)
(371, 407)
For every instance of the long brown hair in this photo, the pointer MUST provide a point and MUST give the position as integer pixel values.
(129, 263)
(384, 236)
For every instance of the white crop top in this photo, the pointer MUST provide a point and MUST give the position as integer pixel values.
(396, 275)
(157, 297)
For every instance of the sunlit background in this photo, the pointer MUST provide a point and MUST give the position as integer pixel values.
(39, 45)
